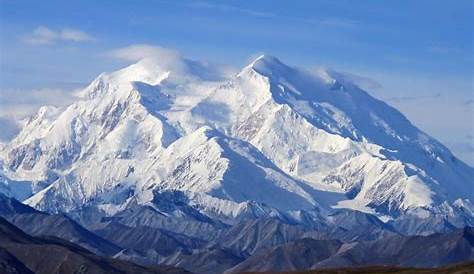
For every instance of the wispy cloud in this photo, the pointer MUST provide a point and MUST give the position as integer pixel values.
(444, 50)
(463, 148)
(40, 36)
(229, 8)
(45, 36)
(139, 51)
(469, 103)
(339, 22)
(19, 103)
(413, 98)
(9, 129)
(167, 58)
(171, 60)
(334, 22)
(75, 35)
(363, 82)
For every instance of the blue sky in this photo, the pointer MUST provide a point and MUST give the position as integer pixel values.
(416, 55)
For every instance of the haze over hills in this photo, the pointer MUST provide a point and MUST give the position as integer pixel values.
(254, 245)
(158, 147)
(19, 253)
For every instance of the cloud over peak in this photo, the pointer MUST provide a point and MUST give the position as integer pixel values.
(137, 52)
(171, 60)
(167, 58)
(45, 36)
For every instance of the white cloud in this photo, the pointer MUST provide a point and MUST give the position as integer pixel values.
(444, 50)
(463, 148)
(9, 129)
(18, 103)
(340, 22)
(230, 8)
(363, 82)
(44, 36)
(167, 58)
(172, 60)
(41, 35)
(140, 51)
(181, 68)
(75, 35)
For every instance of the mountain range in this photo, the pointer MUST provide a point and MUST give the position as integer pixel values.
(180, 164)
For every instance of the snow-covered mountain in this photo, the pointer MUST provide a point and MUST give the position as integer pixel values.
(272, 140)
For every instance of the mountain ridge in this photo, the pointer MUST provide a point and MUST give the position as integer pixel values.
(144, 235)
(306, 145)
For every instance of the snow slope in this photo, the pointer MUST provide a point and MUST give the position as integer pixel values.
(272, 140)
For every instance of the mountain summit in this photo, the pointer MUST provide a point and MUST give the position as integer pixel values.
(270, 141)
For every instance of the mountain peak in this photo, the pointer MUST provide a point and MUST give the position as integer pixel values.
(268, 65)
(267, 58)
(305, 135)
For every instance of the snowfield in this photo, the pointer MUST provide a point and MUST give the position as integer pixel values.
(272, 140)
